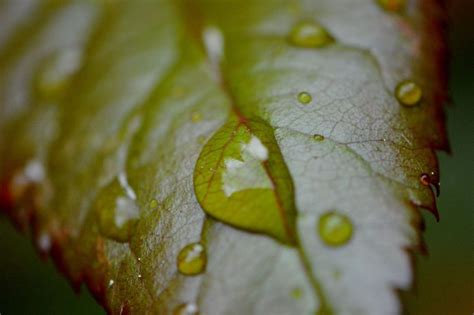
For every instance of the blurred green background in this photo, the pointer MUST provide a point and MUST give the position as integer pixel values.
(445, 278)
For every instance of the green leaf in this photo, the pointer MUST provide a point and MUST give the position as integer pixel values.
(266, 157)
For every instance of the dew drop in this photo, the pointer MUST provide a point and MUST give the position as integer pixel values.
(318, 137)
(154, 204)
(304, 98)
(196, 117)
(408, 93)
(392, 5)
(192, 259)
(56, 71)
(186, 309)
(335, 229)
(309, 34)
(242, 169)
(425, 179)
(117, 213)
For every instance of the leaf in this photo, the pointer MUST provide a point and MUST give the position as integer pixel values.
(232, 158)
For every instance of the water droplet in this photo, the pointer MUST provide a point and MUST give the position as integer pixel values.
(309, 34)
(243, 168)
(304, 98)
(186, 309)
(154, 204)
(192, 259)
(56, 71)
(139, 259)
(425, 179)
(408, 93)
(318, 137)
(392, 5)
(335, 229)
(117, 212)
(196, 117)
(297, 293)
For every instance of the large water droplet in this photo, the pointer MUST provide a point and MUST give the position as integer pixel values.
(242, 162)
(304, 98)
(192, 259)
(408, 93)
(186, 309)
(334, 228)
(392, 5)
(309, 34)
(56, 71)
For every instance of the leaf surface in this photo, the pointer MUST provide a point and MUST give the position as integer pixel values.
(132, 131)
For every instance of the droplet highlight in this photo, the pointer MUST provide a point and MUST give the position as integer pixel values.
(304, 98)
(408, 93)
(309, 34)
(186, 309)
(425, 179)
(334, 228)
(192, 259)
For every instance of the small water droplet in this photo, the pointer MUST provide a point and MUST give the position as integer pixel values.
(56, 71)
(309, 34)
(297, 293)
(154, 204)
(392, 5)
(318, 137)
(425, 179)
(335, 229)
(192, 259)
(304, 98)
(186, 309)
(408, 93)
(196, 117)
